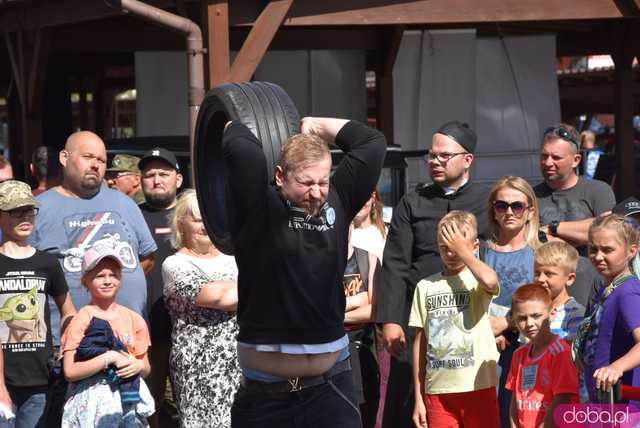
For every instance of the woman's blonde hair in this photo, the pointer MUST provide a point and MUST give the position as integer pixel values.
(187, 204)
(532, 226)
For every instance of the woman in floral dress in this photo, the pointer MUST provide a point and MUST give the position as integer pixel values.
(201, 297)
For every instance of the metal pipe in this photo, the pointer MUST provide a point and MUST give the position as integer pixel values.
(195, 49)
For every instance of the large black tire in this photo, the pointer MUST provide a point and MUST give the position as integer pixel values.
(272, 117)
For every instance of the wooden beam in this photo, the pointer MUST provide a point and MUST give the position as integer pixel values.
(419, 12)
(217, 28)
(574, 43)
(624, 39)
(38, 70)
(257, 43)
(628, 8)
(335, 38)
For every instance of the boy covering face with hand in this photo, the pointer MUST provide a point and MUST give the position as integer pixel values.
(454, 353)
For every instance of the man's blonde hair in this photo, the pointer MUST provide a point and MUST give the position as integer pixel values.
(301, 149)
(559, 254)
(464, 220)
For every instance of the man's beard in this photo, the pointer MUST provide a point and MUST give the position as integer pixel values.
(90, 184)
(160, 200)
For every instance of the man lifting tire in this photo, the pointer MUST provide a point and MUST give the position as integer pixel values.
(290, 242)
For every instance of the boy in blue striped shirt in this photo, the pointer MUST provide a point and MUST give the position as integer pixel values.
(555, 269)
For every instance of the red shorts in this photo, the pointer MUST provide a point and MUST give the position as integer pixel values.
(463, 409)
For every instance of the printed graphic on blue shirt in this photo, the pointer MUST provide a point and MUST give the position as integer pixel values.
(450, 344)
(22, 302)
(100, 229)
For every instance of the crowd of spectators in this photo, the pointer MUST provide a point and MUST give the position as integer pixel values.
(461, 312)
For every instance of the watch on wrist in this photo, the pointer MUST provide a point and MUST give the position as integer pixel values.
(542, 237)
(553, 227)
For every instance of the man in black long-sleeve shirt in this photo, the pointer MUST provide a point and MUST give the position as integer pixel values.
(290, 243)
(411, 252)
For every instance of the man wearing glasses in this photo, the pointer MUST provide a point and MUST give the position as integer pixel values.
(124, 176)
(411, 252)
(568, 203)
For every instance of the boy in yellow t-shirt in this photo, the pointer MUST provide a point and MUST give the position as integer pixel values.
(454, 353)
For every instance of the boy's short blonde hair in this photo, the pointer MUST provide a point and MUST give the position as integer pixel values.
(557, 253)
(464, 220)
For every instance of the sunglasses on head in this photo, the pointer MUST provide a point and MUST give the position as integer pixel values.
(517, 208)
(562, 132)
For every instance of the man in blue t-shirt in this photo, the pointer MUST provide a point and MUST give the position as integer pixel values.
(82, 212)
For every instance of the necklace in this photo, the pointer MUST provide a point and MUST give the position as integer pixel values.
(211, 252)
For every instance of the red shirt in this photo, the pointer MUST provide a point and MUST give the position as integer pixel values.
(535, 381)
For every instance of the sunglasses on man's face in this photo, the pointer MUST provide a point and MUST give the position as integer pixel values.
(563, 133)
(517, 208)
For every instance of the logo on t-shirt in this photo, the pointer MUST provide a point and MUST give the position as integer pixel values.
(450, 344)
(324, 221)
(22, 300)
(528, 380)
(84, 231)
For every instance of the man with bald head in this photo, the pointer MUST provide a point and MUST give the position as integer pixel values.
(82, 213)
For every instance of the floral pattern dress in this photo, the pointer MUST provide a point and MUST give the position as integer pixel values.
(203, 362)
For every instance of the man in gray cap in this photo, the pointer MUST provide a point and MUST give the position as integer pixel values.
(411, 252)
(124, 175)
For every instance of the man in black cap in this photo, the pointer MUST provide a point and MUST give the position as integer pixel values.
(161, 180)
(411, 252)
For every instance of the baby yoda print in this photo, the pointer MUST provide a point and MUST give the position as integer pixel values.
(22, 317)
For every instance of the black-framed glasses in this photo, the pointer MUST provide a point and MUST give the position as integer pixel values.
(562, 132)
(442, 157)
(23, 212)
(517, 207)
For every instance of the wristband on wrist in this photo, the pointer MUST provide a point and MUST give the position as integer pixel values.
(553, 227)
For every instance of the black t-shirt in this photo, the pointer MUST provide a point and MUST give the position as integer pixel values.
(25, 327)
(290, 265)
(159, 222)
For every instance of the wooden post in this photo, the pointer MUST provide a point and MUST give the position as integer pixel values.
(98, 103)
(216, 15)
(386, 58)
(258, 40)
(29, 57)
(623, 53)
